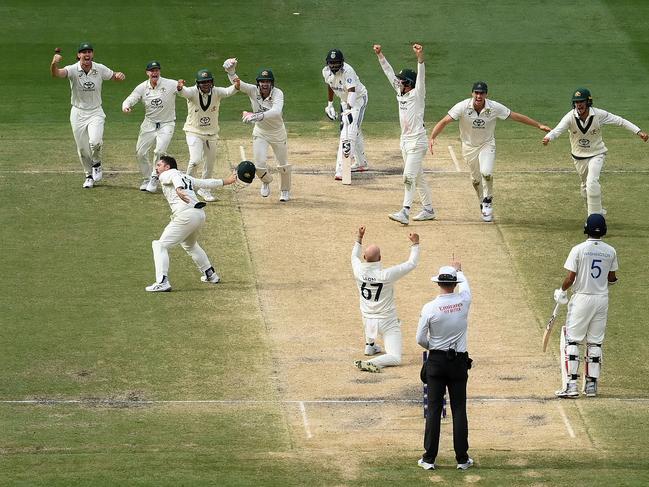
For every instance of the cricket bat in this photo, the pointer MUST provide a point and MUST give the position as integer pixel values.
(548, 327)
(242, 153)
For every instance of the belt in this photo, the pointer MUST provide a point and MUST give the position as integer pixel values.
(447, 353)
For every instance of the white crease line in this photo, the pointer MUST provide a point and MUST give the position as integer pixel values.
(454, 157)
(571, 432)
(305, 420)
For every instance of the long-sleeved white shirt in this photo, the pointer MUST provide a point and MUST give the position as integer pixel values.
(376, 285)
(477, 129)
(203, 109)
(173, 178)
(344, 79)
(411, 104)
(586, 136)
(443, 322)
(272, 126)
(85, 88)
(159, 102)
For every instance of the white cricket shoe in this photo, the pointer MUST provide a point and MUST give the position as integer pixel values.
(97, 172)
(367, 366)
(570, 392)
(213, 279)
(399, 216)
(487, 210)
(159, 287)
(89, 182)
(265, 190)
(363, 166)
(425, 465)
(206, 194)
(425, 215)
(284, 195)
(372, 349)
(144, 184)
(590, 388)
(152, 185)
(465, 466)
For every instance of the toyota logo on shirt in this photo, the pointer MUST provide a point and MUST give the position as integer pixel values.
(478, 123)
(156, 102)
(205, 121)
(584, 143)
(88, 86)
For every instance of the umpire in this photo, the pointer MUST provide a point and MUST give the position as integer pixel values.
(442, 331)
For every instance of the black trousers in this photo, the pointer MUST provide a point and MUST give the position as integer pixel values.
(444, 372)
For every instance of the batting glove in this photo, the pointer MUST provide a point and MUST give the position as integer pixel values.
(331, 111)
(561, 296)
(251, 117)
(230, 65)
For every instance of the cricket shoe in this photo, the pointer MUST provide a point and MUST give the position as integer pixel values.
(213, 279)
(265, 190)
(372, 349)
(89, 182)
(159, 287)
(367, 366)
(590, 388)
(152, 185)
(487, 210)
(425, 465)
(97, 172)
(363, 166)
(400, 216)
(206, 194)
(144, 184)
(338, 177)
(465, 466)
(570, 392)
(425, 215)
(284, 195)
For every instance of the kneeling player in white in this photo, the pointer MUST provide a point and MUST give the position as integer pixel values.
(267, 103)
(379, 311)
(202, 124)
(591, 269)
(411, 95)
(187, 219)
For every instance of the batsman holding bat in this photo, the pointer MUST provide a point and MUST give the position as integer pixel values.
(591, 269)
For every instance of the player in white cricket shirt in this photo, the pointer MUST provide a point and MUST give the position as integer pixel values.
(478, 116)
(202, 124)
(187, 219)
(342, 80)
(158, 95)
(411, 98)
(442, 330)
(591, 267)
(267, 102)
(86, 116)
(376, 297)
(584, 123)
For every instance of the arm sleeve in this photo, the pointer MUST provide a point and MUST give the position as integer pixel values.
(106, 72)
(398, 271)
(463, 288)
(225, 92)
(456, 111)
(606, 118)
(389, 73)
(572, 262)
(356, 254)
(561, 127)
(502, 112)
(614, 264)
(177, 180)
(185, 93)
(278, 105)
(207, 183)
(248, 89)
(420, 87)
(133, 98)
(422, 329)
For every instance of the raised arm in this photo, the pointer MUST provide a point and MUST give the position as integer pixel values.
(54, 67)
(387, 69)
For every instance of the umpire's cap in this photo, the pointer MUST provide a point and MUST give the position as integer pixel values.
(595, 225)
(204, 75)
(447, 275)
(409, 76)
(85, 46)
(479, 87)
(246, 172)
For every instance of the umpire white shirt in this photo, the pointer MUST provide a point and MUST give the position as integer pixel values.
(376, 285)
(443, 322)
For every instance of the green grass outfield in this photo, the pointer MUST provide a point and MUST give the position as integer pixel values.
(75, 322)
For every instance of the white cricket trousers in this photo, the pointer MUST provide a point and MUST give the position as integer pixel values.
(354, 132)
(586, 318)
(589, 171)
(481, 161)
(183, 229)
(390, 329)
(88, 132)
(156, 135)
(202, 148)
(413, 153)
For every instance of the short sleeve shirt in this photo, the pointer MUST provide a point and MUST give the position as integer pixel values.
(591, 261)
(85, 87)
(477, 129)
